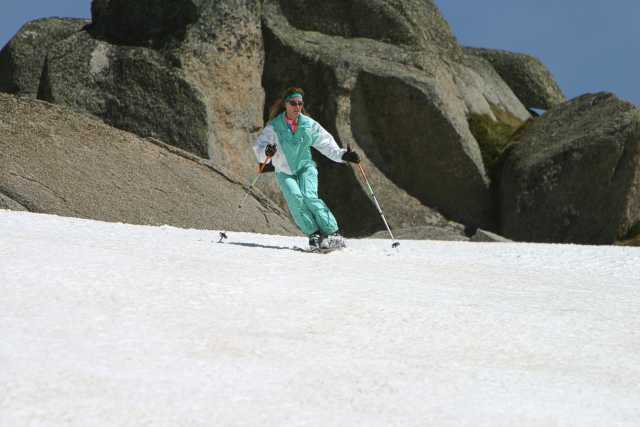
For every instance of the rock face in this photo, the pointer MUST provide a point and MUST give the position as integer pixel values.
(22, 59)
(145, 23)
(403, 105)
(390, 21)
(385, 76)
(485, 93)
(60, 162)
(187, 72)
(574, 174)
(131, 88)
(529, 79)
(223, 58)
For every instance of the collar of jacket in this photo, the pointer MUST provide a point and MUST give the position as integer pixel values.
(303, 121)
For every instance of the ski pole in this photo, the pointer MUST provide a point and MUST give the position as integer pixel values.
(260, 169)
(375, 201)
(223, 234)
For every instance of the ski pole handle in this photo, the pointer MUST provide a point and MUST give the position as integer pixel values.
(263, 164)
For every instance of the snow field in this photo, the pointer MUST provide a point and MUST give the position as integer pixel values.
(115, 324)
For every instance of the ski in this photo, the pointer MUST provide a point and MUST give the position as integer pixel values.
(337, 246)
(317, 250)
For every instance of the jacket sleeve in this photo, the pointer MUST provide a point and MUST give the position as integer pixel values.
(326, 144)
(267, 136)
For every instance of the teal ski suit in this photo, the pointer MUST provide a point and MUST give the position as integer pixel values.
(296, 172)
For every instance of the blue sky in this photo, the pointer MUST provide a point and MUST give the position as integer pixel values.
(589, 45)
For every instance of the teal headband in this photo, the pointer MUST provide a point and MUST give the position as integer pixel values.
(293, 95)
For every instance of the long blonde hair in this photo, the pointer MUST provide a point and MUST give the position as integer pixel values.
(278, 105)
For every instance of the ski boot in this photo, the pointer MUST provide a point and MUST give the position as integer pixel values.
(315, 240)
(333, 241)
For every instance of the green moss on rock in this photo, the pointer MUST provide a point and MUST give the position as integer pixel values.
(493, 138)
(632, 238)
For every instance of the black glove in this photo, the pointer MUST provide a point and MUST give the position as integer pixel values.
(351, 156)
(270, 151)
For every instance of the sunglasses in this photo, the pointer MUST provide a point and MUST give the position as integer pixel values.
(296, 104)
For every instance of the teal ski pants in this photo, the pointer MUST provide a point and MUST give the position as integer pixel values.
(301, 192)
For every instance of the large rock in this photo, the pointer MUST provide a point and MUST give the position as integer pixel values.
(529, 78)
(402, 105)
(132, 88)
(223, 57)
(187, 72)
(22, 59)
(144, 22)
(397, 22)
(60, 162)
(432, 159)
(485, 93)
(574, 174)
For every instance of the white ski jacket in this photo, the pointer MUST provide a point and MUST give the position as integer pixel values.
(294, 150)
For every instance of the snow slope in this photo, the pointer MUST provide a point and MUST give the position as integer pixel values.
(114, 324)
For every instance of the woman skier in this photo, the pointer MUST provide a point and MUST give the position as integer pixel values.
(287, 139)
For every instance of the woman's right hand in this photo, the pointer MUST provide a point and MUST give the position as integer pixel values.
(270, 150)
